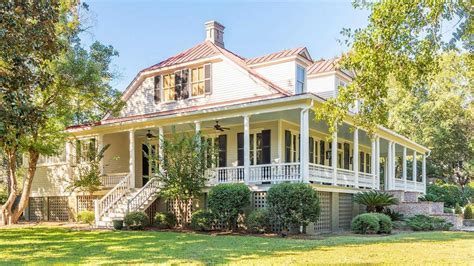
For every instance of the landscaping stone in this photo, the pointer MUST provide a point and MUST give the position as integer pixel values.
(468, 222)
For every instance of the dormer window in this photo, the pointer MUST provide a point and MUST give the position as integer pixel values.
(300, 79)
(178, 86)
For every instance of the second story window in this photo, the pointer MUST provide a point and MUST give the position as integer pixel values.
(183, 84)
(300, 79)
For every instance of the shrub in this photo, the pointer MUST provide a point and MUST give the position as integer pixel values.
(202, 220)
(427, 223)
(86, 217)
(136, 220)
(394, 215)
(375, 201)
(118, 224)
(258, 221)
(227, 201)
(385, 223)
(365, 223)
(293, 205)
(3, 197)
(165, 220)
(468, 212)
(457, 209)
(450, 194)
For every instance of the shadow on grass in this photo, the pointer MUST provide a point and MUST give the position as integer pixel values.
(58, 245)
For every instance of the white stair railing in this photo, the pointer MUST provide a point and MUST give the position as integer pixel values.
(102, 205)
(144, 194)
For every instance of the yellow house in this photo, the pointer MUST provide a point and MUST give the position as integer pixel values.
(260, 113)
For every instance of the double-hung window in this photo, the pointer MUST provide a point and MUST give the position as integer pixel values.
(201, 80)
(300, 79)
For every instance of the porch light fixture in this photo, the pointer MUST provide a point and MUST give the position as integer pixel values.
(149, 135)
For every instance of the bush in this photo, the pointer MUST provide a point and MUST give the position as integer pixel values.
(450, 194)
(385, 223)
(165, 220)
(457, 209)
(227, 201)
(118, 224)
(258, 221)
(293, 205)
(365, 223)
(394, 215)
(136, 220)
(86, 217)
(375, 201)
(468, 212)
(202, 220)
(427, 223)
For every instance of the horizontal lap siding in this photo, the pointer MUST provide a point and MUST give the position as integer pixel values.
(229, 82)
(282, 74)
(50, 180)
(117, 156)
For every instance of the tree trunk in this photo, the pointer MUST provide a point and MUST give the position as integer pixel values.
(12, 215)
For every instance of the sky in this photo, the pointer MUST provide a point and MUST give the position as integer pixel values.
(147, 32)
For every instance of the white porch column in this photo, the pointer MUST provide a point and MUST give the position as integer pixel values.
(246, 149)
(404, 167)
(377, 161)
(131, 139)
(389, 166)
(394, 164)
(423, 172)
(372, 165)
(161, 136)
(334, 157)
(355, 157)
(304, 145)
(100, 146)
(414, 168)
(197, 125)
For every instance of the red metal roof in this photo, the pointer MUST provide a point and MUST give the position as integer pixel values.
(323, 65)
(278, 55)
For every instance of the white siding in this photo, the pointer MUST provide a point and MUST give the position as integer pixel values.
(229, 82)
(116, 158)
(323, 85)
(50, 180)
(282, 74)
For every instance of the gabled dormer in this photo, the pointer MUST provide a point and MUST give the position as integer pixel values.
(325, 77)
(286, 68)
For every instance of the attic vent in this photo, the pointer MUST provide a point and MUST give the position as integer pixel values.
(215, 33)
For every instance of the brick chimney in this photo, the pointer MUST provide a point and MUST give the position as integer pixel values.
(215, 33)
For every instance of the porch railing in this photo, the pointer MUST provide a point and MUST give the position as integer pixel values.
(143, 195)
(366, 180)
(111, 180)
(102, 205)
(320, 173)
(274, 172)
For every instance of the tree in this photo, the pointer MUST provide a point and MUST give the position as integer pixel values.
(402, 42)
(181, 171)
(440, 116)
(48, 82)
(88, 178)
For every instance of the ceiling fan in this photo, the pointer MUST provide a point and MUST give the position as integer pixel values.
(149, 135)
(218, 127)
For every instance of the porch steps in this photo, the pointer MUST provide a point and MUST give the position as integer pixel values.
(119, 209)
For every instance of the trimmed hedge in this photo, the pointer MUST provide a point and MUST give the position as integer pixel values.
(427, 223)
(136, 220)
(227, 201)
(468, 212)
(202, 220)
(370, 223)
(293, 205)
(165, 220)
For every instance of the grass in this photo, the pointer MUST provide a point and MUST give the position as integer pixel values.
(54, 245)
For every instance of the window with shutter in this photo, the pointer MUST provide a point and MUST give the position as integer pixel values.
(346, 155)
(240, 149)
(367, 163)
(311, 150)
(287, 146)
(222, 144)
(266, 146)
(362, 162)
(322, 150)
(157, 91)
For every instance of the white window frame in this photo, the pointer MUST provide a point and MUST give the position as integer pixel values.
(297, 82)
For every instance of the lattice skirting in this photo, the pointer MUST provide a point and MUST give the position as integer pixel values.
(86, 202)
(323, 225)
(345, 210)
(173, 207)
(152, 210)
(48, 208)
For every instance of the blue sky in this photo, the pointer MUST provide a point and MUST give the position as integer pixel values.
(147, 32)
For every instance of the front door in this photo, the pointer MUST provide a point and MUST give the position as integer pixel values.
(148, 168)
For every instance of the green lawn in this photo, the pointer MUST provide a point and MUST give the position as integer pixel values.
(43, 245)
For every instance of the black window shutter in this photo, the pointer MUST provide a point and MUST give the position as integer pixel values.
(347, 151)
(177, 84)
(207, 78)
(311, 150)
(367, 163)
(266, 147)
(361, 163)
(184, 84)
(78, 151)
(222, 150)
(322, 151)
(240, 149)
(157, 90)
(287, 146)
(145, 163)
